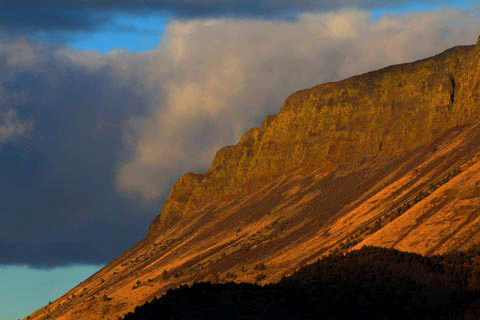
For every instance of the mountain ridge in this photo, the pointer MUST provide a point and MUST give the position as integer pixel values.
(233, 167)
(387, 158)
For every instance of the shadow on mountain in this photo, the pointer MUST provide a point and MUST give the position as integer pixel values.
(371, 282)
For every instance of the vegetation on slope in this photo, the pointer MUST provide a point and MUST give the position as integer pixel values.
(371, 282)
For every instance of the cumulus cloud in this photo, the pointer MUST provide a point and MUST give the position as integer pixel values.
(216, 78)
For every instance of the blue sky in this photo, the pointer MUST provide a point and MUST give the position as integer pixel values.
(125, 32)
(22, 286)
(90, 144)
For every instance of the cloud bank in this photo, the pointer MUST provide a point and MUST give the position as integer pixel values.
(60, 138)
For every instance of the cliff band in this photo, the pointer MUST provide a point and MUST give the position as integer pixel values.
(384, 113)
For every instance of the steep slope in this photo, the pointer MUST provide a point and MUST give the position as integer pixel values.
(388, 158)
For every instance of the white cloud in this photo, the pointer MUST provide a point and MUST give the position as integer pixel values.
(211, 80)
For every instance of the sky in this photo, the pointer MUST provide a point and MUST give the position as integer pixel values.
(105, 104)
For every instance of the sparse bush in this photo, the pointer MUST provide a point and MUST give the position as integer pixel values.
(260, 277)
(165, 275)
(259, 267)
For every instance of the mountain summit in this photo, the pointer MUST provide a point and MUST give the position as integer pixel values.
(389, 158)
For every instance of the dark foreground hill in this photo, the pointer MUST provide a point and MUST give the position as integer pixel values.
(390, 158)
(372, 282)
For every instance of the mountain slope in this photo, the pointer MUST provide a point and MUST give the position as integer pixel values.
(388, 158)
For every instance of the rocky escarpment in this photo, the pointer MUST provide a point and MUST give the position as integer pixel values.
(384, 112)
(390, 158)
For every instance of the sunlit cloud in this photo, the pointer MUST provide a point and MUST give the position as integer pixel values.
(219, 77)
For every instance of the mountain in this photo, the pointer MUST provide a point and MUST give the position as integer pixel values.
(388, 159)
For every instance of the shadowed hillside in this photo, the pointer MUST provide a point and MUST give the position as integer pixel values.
(387, 159)
(373, 282)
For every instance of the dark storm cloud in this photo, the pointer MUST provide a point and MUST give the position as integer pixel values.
(24, 16)
(58, 202)
(195, 8)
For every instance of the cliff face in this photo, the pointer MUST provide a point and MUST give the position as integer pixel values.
(384, 112)
(389, 158)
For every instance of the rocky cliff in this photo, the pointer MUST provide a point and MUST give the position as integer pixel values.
(389, 158)
(383, 112)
